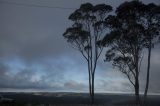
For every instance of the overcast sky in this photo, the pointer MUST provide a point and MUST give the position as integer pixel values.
(34, 56)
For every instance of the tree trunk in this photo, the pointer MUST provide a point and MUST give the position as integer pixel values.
(90, 85)
(137, 77)
(137, 90)
(148, 70)
(92, 88)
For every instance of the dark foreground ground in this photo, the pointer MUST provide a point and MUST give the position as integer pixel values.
(73, 99)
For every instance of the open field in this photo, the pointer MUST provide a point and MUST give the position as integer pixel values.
(72, 99)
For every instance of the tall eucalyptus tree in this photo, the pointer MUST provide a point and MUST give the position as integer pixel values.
(84, 35)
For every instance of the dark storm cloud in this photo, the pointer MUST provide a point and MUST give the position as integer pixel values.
(30, 34)
(34, 36)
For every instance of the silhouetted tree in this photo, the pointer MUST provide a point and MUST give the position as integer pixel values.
(126, 41)
(151, 23)
(84, 35)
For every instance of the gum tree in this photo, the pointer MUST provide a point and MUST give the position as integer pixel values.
(126, 41)
(84, 35)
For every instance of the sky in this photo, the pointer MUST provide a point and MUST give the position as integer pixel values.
(34, 56)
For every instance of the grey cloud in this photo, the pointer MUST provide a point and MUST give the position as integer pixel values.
(73, 85)
(112, 81)
(24, 79)
(20, 80)
(31, 33)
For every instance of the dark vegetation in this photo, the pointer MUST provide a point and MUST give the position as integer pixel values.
(73, 99)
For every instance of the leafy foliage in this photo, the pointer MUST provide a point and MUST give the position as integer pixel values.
(126, 40)
(134, 27)
(86, 33)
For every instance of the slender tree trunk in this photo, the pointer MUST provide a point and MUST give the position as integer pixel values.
(137, 77)
(148, 70)
(92, 88)
(137, 90)
(89, 75)
(90, 85)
